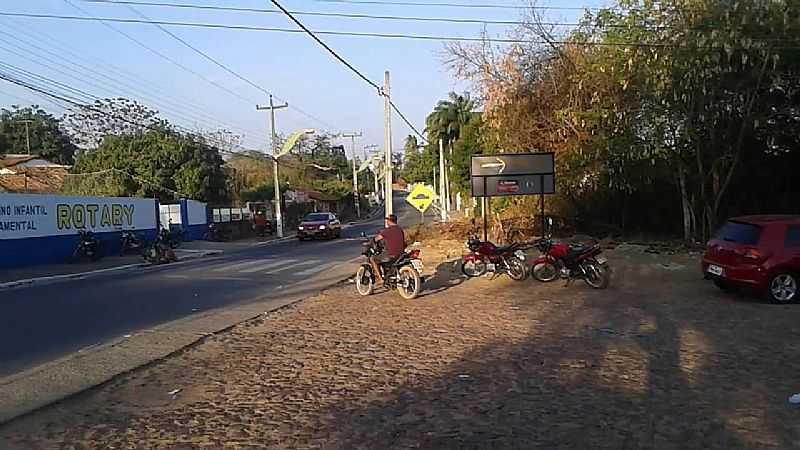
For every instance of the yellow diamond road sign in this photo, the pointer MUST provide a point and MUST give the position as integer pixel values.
(421, 197)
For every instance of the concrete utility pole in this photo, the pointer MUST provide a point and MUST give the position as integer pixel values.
(272, 107)
(442, 183)
(356, 197)
(27, 123)
(387, 125)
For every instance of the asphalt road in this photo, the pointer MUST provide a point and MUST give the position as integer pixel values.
(42, 323)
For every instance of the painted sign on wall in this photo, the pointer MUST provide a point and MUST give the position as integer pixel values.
(25, 216)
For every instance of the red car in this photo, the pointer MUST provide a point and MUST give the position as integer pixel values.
(319, 226)
(757, 252)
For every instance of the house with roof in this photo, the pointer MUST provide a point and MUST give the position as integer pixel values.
(31, 174)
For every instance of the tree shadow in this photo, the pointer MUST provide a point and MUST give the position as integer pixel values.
(625, 368)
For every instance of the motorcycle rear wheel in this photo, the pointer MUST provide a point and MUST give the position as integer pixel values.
(365, 281)
(408, 282)
(473, 269)
(598, 276)
(545, 272)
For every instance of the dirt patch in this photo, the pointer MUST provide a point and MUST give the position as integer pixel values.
(659, 360)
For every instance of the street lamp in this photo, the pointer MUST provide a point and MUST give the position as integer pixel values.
(287, 147)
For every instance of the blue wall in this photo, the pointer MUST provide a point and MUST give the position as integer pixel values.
(57, 249)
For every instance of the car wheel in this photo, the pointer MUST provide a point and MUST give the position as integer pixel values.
(725, 286)
(782, 289)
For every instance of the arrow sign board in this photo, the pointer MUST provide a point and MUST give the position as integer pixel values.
(421, 198)
(513, 174)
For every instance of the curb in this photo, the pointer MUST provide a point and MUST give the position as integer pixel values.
(50, 279)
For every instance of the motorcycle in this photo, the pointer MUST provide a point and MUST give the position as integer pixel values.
(131, 241)
(403, 274)
(216, 233)
(570, 261)
(161, 250)
(88, 247)
(486, 257)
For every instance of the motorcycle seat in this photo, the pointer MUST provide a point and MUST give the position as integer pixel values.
(579, 249)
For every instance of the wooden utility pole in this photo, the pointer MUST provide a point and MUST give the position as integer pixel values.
(272, 107)
(387, 126)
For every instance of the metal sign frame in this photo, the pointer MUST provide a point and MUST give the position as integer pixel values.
(511, 180)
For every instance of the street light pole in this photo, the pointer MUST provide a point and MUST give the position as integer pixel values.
(27, 123)
(272, 107)
(356, 197)
(387, 125)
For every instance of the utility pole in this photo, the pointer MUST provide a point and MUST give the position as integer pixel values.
(272, 107)
(387, 125)
(356, 197)
(442, 183)
(27, 123)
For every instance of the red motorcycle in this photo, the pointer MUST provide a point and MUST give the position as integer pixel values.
(486, 257)
(571, 261)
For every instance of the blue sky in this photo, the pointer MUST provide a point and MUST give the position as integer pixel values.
(291, 66)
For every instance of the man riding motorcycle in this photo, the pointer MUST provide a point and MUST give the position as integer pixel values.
(394, 244)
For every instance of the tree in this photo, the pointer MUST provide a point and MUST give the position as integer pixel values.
(88, 125)
(165, 165)
(46, 137)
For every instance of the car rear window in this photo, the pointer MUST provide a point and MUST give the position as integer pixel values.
(740, 233)
(792, 236)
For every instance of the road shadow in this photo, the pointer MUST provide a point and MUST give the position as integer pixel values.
(447, 275)
(633, 367)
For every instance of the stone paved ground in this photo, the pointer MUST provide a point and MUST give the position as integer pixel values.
(659, 360)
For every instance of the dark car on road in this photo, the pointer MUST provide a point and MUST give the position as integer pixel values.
(319, 226)
(760, 253)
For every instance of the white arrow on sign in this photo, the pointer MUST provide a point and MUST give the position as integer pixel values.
(500, 163)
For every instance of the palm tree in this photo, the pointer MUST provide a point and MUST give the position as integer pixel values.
(446, 122)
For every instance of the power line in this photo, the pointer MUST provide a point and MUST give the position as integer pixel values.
(449, 5)
(116, 74)
(223, 66)
(390, 35)
(347, 64)
(304, 13)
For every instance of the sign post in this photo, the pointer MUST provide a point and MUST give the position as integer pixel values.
(510, 174)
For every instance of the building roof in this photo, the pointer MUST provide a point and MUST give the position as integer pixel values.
(13, 160)
(322, 197)
(34, 180)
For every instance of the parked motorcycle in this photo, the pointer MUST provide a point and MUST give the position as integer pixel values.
(88, 247)
(161, 250)
(486, 257)
(403, 274)
(216, 233)
(570, 261)
(131, 241)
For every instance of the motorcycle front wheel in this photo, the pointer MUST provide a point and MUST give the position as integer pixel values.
(545, 272)
(472, 269)
(365, 281)
(516, 269)
(408, 283)
(598, 276)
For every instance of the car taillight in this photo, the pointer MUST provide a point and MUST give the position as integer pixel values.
(414, 254)
(754, 254)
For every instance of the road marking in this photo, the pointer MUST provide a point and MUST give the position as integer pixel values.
(316, 269)
(314, 262)
(194, 277)
(242, 265)
(274, 263)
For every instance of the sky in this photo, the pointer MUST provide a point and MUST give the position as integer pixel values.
(322, 93)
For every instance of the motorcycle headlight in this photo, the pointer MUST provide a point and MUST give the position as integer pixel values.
(300, 228)
(322, 227)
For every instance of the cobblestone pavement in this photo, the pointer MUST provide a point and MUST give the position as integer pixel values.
(659, 360)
